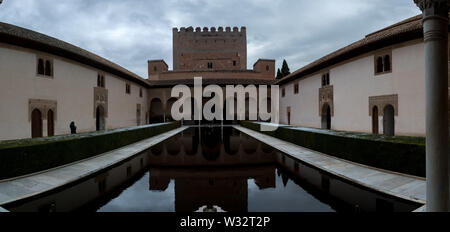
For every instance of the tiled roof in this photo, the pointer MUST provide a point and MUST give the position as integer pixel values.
(405, 30)
(30, 39)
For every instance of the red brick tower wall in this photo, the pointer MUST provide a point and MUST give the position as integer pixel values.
(209, 49)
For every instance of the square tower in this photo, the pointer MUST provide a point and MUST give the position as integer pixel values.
(209, 49)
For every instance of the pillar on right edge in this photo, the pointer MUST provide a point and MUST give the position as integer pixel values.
(435, 32)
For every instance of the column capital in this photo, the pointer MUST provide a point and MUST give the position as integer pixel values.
(434, 7)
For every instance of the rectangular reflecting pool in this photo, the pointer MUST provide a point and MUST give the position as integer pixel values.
(213, 169)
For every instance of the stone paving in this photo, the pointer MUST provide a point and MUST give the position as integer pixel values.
(400, 185)
(26, 186)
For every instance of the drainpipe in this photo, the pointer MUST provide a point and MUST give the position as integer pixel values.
(435, 30)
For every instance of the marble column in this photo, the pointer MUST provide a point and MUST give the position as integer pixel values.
(435, 30)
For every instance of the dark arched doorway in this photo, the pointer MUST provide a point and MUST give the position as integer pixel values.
(388, 120)
(100, 118)
(36, 123)
(375, 120)
(50, 123)
(326, 117)
(156, 111)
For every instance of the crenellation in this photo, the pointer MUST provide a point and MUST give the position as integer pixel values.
(205, 30)
(210, 49)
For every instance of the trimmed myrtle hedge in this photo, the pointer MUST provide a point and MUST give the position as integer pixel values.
(400, 154)
(24, 156)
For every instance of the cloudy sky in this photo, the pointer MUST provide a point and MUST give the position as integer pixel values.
(130, 32)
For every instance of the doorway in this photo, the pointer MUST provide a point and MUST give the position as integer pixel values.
(36, 123)
(50, 123)
(100, 118)
(375, 120)
(326, 117)
(388, 120)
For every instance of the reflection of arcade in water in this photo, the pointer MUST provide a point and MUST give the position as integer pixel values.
(200, 146)
(211, 166)
(223, 187)
(233, 157)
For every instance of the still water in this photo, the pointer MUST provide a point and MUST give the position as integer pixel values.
(213, 169)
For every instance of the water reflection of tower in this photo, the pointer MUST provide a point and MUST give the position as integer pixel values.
(223, 187)
(211, 140)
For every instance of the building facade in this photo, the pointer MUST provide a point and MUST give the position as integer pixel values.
(375, 85)
(218, 56)
(45, 84)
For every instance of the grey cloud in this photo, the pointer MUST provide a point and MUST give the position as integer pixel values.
(129, 32)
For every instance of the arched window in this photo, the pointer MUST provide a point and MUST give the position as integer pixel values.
(48, 68)
(41, 66)
(98, 81)
(387, 63)
(325, 79)
(379, 64)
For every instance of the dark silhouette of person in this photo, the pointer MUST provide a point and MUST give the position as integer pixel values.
(73, 128)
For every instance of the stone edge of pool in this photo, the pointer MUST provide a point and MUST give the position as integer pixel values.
(413, 190)
(39, 183)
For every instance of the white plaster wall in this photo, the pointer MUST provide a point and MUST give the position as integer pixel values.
(353, 82)
(304, 105)
(72, 86)
(122, 106)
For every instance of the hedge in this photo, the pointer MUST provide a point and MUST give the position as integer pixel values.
(25, 156)
(396, 153)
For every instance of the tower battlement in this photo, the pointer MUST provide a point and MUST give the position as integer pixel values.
(199, 49)
(199, 30)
